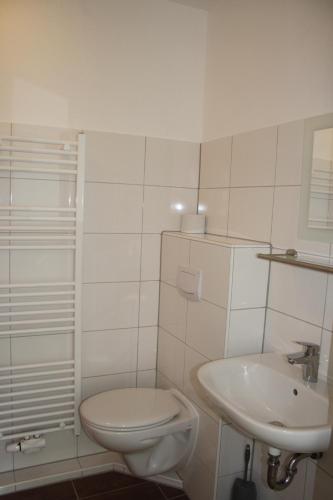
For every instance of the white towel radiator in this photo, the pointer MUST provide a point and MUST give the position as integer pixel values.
(39, 398)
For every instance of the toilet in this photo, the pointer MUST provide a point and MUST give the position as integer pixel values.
(155, 429)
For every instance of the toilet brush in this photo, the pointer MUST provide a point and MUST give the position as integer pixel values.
(244, 489)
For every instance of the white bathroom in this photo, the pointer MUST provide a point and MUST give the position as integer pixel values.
(166, 243)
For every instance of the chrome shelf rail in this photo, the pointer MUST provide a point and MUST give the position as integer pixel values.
(292, 258)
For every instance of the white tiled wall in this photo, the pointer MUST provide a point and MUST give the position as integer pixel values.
(192, 333)
(250, 187)
(135, 188)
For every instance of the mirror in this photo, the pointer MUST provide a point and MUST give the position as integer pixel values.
(316, 210)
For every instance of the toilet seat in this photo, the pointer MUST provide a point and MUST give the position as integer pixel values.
(129, 409)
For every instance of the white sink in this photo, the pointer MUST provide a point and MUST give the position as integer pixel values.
(256, 390)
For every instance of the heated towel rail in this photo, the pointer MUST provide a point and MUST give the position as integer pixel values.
(42, 397)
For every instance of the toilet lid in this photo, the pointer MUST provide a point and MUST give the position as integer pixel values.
(130, 408)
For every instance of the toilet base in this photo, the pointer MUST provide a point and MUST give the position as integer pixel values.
(170, 453)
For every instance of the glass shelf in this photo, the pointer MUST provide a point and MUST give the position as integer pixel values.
(292, 258)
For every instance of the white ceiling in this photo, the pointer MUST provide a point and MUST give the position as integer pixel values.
(198, 4)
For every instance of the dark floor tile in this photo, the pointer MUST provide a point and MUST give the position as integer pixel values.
(57, 491)
(102, 483)
(145, 491)
(170, 492)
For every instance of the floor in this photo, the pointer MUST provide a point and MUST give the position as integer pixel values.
(106, 486)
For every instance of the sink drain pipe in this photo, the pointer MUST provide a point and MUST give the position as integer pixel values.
(290, 468)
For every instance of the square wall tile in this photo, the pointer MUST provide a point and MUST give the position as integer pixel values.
(150, 257)
(108, 352)
(175, 253)
(281, 331)
(103, 462)
(30, 350)
(111, 257)
(162, 382)
(146, 378)
(246, 332)
(172, 163)
(215, 163)
(232, 450)
(173, 308)
(328, 316)
(7, 480)
(40, 475)
(147, 350)
(114, 157)
(59, 446)
(192, 388)
(208, 439)
(109, 306)
(6, 466)
(199, 480)
(170, 358)
(149, 300)
(319, 484)
(95, 385)
(112, 208)
(214, 262)
(326, 360)
(249, 278)
(254, 157)
(298, 292)
(206, 328)
(86, 446)
(163, 208)
(289, 153)
(250, 213)
(326, 461)
(285, 223)
(213, 203)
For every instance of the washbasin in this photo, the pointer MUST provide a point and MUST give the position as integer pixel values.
(267, 398)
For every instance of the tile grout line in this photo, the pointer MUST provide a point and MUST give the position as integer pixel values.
(140, 265)
(75, 490)
(229, 183)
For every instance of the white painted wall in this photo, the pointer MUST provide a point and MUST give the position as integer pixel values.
(268, 62)
(119, 65)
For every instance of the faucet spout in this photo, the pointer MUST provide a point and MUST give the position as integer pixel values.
(309, 358)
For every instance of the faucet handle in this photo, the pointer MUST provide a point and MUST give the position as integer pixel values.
(311, 349)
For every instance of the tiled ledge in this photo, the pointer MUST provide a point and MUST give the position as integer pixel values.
(54, 472)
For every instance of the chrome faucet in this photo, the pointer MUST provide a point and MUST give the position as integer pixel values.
(309, 358)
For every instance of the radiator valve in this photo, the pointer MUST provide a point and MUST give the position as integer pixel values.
(29, 444)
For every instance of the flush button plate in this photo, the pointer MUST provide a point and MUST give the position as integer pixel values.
(189, 282)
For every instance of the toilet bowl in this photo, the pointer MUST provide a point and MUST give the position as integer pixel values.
(155, 429)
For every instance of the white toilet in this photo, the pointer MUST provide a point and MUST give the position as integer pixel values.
(155, 430)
